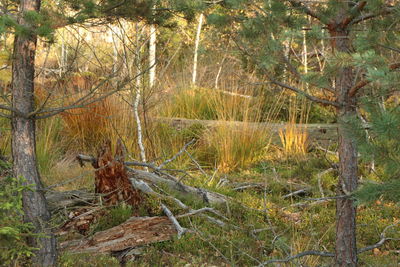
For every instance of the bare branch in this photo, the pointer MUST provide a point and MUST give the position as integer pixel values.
(381, 241)
(302, 254)
(174, 221)
(355, 10)
(183, 149)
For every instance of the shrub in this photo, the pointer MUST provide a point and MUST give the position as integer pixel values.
(13, 231)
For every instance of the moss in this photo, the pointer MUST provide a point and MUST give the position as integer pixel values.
(114, 217)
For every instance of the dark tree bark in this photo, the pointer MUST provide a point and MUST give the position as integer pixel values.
(346, 249)
(23, 141)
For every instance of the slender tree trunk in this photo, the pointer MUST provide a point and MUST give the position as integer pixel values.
(196, 49)
(138, 94)
(23, 141)
(152, 55)
(346, 249)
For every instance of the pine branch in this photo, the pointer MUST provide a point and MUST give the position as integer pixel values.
(306, 95)
(301, 5)
(380, 243)
(356, 9)
(361, 18)
(361, 84)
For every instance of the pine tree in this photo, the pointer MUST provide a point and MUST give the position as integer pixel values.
(380, 146)
(27, 20)
(352, 40)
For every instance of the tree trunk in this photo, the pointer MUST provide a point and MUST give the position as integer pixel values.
(196, 49)
(152, 55)
(138, 95)
(23, 141)
(346, 250)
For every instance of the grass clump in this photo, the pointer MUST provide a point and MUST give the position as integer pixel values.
(231, 148)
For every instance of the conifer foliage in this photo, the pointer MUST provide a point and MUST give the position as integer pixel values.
(352, 41)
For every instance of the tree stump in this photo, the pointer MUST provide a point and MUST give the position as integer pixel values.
(111, 178)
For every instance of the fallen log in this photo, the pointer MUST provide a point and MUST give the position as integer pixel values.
(62, 200)
(199, 193)
(317, 133)
(135, 232)
(172, 183)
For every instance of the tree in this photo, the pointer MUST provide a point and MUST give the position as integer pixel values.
(355, 65)
(23, 137)
(26, 20)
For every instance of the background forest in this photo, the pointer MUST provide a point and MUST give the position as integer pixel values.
(272, 125)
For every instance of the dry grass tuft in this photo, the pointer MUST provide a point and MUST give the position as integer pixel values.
(86, 128)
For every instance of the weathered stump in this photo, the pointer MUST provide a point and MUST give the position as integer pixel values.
(111, 180)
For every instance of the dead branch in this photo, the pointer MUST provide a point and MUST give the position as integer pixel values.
(381, 241)
(201, 194)
(183, 149)
(296, 193)
(137, 231)
(174, 221)
(330, 254)
(319, 176)
(145, 188)
(60, 200)
(302, 254)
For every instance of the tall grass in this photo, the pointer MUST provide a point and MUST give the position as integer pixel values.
(231, 148)
(86, 128)
(49, 146)
(294, 137)
(209, 104)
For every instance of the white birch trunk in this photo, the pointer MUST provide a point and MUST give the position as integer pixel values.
(152, 55)
(219, 73)
(138, 95)
(196, 48)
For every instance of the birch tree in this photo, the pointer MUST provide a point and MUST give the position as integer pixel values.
(152, 55)
(196, 48)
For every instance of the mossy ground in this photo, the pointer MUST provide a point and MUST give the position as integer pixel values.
(262, 224)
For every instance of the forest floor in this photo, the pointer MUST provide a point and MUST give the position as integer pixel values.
(277, 208)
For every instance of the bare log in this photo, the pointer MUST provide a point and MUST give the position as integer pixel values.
(61, 200)
(137, 231)
(201, 194)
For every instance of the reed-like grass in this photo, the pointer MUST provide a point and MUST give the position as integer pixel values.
(294, 137)
(230, 148)
(86, 128)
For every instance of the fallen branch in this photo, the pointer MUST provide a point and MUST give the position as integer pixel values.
(302, 254)
(381, 241)
(330, 254)
(174, 221)
(62, 200)
(145, 188)
(172, 183)
(199, 193)
(183, 149)
(295, 193)
(319, 177)
(137, 231)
